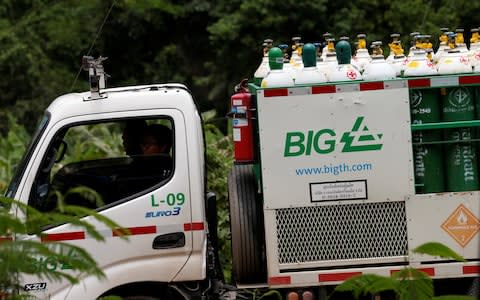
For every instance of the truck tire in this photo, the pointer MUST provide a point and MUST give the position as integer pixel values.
(247, 227)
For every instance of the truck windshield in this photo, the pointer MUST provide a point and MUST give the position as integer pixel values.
(20, 168)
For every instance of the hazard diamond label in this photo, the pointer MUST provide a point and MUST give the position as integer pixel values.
(462, 225)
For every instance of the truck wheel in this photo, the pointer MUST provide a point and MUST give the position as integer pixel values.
(247, 228)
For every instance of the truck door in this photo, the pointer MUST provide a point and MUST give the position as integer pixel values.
(107, 162)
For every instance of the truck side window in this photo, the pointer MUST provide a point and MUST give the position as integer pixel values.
(97, 164)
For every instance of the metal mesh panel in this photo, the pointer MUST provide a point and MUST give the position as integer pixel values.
(337, 232)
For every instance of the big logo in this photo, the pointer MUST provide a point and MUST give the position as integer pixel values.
(324, 141)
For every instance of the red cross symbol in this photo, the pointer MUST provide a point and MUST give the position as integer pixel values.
(352, 75)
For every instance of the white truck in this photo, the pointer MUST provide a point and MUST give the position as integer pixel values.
(329, 193)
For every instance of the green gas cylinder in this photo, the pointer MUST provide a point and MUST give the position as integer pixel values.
(460, 156)
(428, 158)
(425, 108)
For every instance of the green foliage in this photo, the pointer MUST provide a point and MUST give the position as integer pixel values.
(22, 256)
(12, 146)
(259, 294)
(363, 285)
(438, 249)
(413, 284)
(408, 283)
(207, 45)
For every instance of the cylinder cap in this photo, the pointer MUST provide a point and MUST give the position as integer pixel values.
(344, 52)
(309, 55)
(275, 58)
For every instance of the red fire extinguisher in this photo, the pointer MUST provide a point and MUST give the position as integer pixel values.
(241, 113)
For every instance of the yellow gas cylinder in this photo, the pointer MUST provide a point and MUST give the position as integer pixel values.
(331, 62)
(443, 38)
(455, 60)
(362, 57)
(399, 59)
(326, 37)
(395, 46)
(418, 64)
(460, 41)
(423, 42)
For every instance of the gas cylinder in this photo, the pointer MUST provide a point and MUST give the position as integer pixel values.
(345, 71)
(443, 38)
(459, 105)
(326, 36)
(474, 51)
(241, 111)
(394, 46)
(362, 56)
(460, 40)
(423, 42)
(418, 64)
(296, 63)
(460, 154)
(378, 68)
(330, 62)
(263, 69)
(399, 60)
(277, 77)
(425, 108)
(453, 62)
(322, 65)
(414, 43)
(309, 74)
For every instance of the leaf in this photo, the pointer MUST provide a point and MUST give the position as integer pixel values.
(414, 284)
(438, 249)
(367, 284)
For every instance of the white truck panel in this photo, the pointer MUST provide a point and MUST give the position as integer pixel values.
(364, 140)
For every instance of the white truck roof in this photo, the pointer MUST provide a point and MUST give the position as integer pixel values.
(141, 97)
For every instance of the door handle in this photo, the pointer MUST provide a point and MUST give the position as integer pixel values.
(169, 240)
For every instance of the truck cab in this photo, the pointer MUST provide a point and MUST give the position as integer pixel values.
(77, 156)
